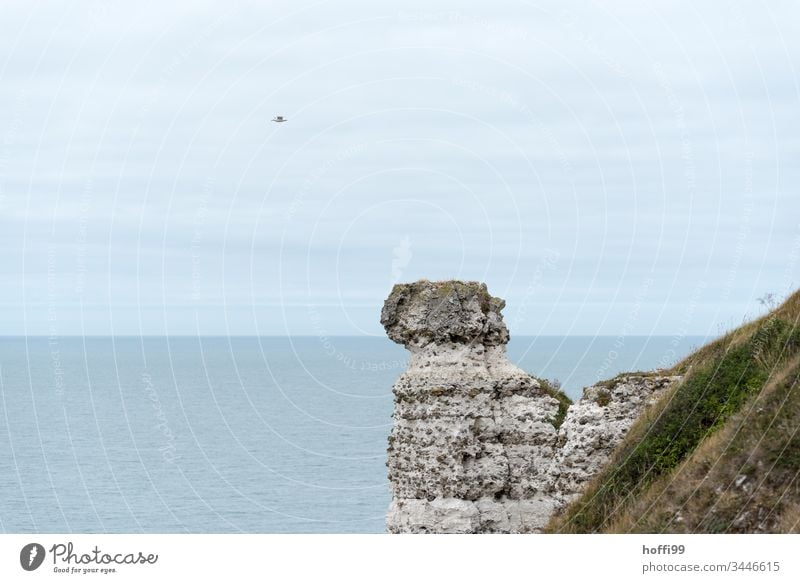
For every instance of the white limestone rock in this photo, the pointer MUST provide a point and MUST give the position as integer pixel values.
(474, 447)
(595, 425)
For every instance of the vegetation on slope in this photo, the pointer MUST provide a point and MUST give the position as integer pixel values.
(553, 389)
(720, 452)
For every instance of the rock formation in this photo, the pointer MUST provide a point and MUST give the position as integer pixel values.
(595, 425)
(476, 444)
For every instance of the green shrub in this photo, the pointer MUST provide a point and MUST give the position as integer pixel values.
(553, 389)
(603, 397)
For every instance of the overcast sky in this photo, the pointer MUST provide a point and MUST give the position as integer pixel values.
(624, 168)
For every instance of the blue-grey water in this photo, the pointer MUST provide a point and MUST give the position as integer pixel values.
(261, 435)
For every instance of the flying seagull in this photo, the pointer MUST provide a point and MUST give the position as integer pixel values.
(279, 119)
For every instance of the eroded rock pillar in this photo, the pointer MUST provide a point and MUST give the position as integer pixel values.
(473, 434)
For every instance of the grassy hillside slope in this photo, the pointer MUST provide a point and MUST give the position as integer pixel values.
(720, 452)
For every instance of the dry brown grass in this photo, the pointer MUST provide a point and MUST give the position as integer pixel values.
(790, 519)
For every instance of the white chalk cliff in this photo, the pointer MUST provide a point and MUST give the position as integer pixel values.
(478, 445)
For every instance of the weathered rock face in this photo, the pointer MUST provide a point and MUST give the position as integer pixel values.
(475, 447)
(595, 425)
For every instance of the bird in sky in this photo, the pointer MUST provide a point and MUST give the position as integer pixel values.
(279, 119)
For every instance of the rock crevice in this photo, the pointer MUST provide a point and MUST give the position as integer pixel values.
(473, 447)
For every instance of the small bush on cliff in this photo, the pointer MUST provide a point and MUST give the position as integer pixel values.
(603, 397)
(553, 389)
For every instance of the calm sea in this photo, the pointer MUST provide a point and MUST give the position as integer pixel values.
(227, 434)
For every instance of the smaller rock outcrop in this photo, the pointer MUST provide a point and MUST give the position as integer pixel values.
(475, 445)
(595, 425)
